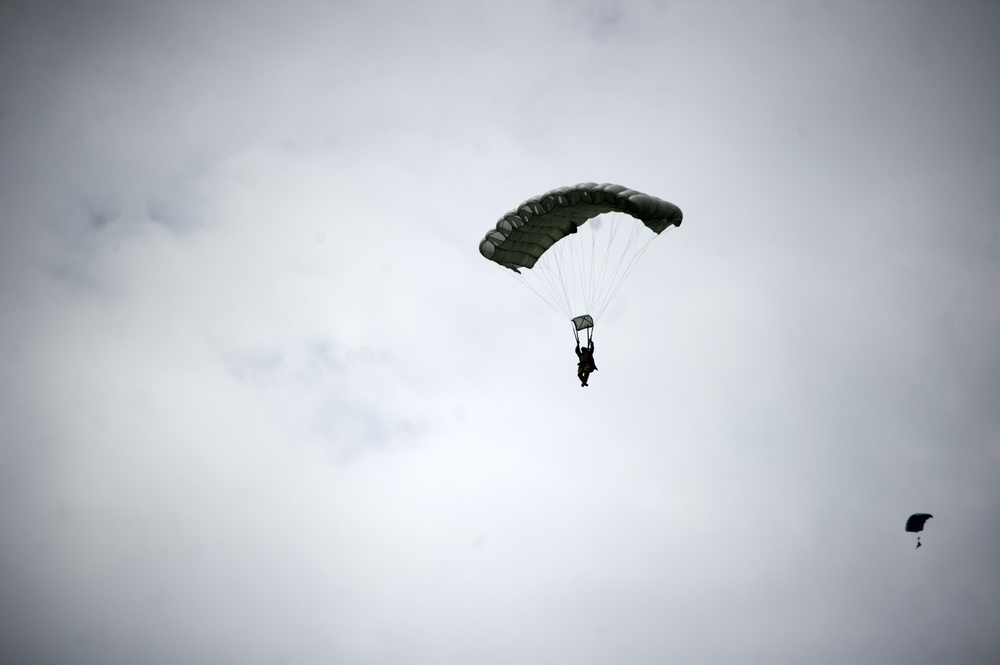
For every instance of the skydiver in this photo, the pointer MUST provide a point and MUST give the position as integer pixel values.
(915, 524)
(586, 362)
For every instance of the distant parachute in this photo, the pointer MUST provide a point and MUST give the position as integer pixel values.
(915, 523)
(578, 274)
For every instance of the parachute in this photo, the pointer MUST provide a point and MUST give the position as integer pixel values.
(574, 246)
(915, 523)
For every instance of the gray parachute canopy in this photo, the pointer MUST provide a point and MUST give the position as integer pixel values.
(525, 233)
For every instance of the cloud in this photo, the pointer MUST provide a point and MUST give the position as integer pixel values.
(261, 399)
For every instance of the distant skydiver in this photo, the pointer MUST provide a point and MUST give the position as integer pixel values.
(915, 524)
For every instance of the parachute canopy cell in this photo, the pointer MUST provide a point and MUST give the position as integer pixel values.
(522, 235)
(915, 523)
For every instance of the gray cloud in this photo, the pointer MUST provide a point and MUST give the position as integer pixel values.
(261, 400)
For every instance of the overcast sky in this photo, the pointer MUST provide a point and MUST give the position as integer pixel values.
(263, 401)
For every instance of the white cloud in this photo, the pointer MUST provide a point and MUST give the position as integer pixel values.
(261, 399)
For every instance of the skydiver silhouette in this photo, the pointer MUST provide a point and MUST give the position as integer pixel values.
(586, 364)
(915, 524)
